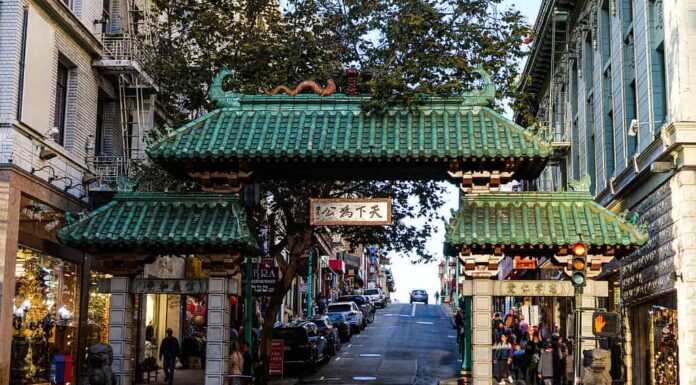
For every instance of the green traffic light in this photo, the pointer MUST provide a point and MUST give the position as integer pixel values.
(578, 279)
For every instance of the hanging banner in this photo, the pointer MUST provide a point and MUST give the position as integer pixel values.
(350, 212)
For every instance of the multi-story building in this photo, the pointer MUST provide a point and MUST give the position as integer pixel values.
(610, 84)
(75, 104)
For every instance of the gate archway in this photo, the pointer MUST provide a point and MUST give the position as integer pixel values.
(250, 137)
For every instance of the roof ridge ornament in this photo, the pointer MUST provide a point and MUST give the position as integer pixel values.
(486, 95)
(218, 95)
(581, 185)
(311, 84)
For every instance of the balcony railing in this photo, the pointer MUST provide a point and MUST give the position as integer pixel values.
(126, 47)
(108, 169)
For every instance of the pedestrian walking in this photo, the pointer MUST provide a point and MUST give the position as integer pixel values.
(169, 352)
(503, 360)
(246, 367)
(518, 365)
(437, 297)
(236, 360)
(545, 369)
(321, 305)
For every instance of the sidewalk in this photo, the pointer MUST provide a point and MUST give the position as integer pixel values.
(449, 311)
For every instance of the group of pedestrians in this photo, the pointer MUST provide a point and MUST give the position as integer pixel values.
(530, 355)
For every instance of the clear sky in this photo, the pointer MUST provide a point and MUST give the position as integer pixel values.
(408, 276)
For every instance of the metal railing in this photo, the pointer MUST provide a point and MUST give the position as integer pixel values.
(126, 47)
(108, 169)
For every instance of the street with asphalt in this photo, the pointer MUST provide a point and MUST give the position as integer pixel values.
(407, 344)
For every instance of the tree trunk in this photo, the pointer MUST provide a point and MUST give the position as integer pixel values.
(297, 250)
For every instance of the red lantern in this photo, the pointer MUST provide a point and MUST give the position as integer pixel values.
(233, 300)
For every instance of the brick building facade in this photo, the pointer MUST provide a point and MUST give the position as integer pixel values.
(60, 119)
(612, 84)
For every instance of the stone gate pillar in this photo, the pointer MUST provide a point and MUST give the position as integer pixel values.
(482, 339)
(218, 344)
(121, 329)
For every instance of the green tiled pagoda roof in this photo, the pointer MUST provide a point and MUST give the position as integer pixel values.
(163, 222)
(539, 219)
(337, 127)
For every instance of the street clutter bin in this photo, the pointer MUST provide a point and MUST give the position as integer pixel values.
(61, 369)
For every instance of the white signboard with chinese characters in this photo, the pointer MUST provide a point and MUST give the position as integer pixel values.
(350, 212)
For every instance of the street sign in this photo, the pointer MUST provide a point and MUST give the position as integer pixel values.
(275, 365)
(264, 279)
(606, 324)
(350, 212)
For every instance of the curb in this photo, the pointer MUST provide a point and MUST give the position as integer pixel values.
(449, 312)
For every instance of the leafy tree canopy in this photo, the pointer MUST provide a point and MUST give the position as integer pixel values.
(404, 49)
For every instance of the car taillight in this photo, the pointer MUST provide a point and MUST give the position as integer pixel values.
(353, 312)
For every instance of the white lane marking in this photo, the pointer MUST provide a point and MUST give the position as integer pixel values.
(424, 322)
(364, 378)
(349, 345)
(451, 336)
(338, 358)
(370, 355)
(322, 377)
(358, 345)
(413, 310)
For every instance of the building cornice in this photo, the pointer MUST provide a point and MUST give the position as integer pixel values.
(73, 26)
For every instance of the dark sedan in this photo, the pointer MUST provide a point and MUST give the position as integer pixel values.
(325, 328)
(340, 322)
(303, 344)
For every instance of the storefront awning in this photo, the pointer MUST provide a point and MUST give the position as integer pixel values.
(157, 223)
(539, 222)
(337, 266)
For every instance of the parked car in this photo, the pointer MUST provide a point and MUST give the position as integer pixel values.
(362, 303)
(378, 297)
(352, 313)
(325, 328)
(419, 296)
(341, 324)
(303, 344)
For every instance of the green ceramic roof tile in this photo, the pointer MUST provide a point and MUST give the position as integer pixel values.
(337, 127)
(539, 218)
(171, 222)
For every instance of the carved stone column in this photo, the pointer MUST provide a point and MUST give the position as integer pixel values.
(218, 344)
(121, 329)
(482, 335)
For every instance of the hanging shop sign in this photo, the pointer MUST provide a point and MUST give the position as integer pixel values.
(350, 212)
(275, 365)
(524, 263)
(264, 279)
(169, 286)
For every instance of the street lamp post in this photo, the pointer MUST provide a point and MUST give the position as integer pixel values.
(309, 285)
(446, 276)
(456, 282)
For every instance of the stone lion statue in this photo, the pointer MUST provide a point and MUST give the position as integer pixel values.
(597, 366)
(99, 360)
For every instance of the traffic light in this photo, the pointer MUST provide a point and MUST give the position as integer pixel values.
(579, 265)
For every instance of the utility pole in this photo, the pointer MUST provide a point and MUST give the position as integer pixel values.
(309, 285)
(446, 276)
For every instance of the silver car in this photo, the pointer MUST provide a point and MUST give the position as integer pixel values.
(351, 311)
(377, 297)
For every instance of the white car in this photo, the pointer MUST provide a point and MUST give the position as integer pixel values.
(377, 297)
(351, 311)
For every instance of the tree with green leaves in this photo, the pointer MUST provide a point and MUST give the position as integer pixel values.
(404, 49)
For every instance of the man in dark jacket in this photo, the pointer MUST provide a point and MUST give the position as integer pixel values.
(169, 351)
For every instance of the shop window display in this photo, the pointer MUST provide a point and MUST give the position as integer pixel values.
(194, 333)
(97, 327)
(45, 316)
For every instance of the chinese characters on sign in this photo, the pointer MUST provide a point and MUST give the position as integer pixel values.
(533, 288)
(341, 211)
(169, 286)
